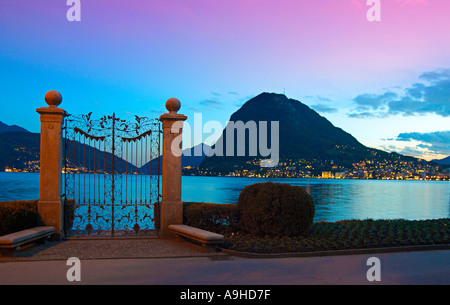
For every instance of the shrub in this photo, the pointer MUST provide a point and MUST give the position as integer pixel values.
(275, 210)
(350, 234)
(18, 215)
(219, 218)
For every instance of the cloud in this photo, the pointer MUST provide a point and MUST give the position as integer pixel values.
(431, 96)
(373, 101)
(317, 98)
(369, 115)
(324, 108)
(211, 104)
(322, 104)
(323, 99)
(362, 115)
(411, 151)
(194, 109)
(438, 75)
(436, 142)
(157, 113)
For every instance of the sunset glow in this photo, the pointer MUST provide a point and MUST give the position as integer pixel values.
(130, 57)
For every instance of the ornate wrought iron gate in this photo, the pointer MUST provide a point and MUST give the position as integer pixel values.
(111, 175)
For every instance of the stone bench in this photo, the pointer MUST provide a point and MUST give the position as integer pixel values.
(205, 238)
(14, 241)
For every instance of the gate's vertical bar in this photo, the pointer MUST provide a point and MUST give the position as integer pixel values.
(113, 171)
(126, 174)
(135, 173)
(145, 169)
(159, 196)
(98, 170)
(121, 173)
(131, 173)
(141, 142)
(84, 170)
(95, 176)
(64, 199)
(104, 172)
(136, 203)
(89, 170)
(79, 168)
(84, 181)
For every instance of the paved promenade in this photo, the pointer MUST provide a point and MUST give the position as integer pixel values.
(173, 263)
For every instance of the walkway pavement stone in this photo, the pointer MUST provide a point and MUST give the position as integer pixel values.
(110, 248)
(169, 262)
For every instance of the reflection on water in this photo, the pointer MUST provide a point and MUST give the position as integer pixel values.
(334, 199)
(19, 186)
(341, 199)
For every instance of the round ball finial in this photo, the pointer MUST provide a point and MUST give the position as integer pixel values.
(173, 105)
(53, 98)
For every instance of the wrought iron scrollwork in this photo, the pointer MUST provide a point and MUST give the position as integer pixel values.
(111, 175)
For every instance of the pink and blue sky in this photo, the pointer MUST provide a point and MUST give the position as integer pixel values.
(387, 83)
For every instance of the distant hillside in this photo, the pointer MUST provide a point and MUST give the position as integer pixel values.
(18, 148)
(188, 158)
(11, 128)
(83, 156)
(21, 150)
(445, 161)
(303, 134)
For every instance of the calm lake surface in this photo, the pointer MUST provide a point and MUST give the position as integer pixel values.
(334, 199)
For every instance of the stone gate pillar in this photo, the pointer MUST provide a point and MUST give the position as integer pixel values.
(171, 206)
(50, 205)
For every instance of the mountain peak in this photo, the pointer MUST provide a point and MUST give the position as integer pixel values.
(267, 97)
(303, 133)
(272, 95)
(273, 107)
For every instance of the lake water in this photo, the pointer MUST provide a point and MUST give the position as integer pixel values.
(334, 199)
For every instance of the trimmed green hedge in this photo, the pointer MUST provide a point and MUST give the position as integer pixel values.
(219, 218)
(275, 210)
(349, 235)
(18, 215)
